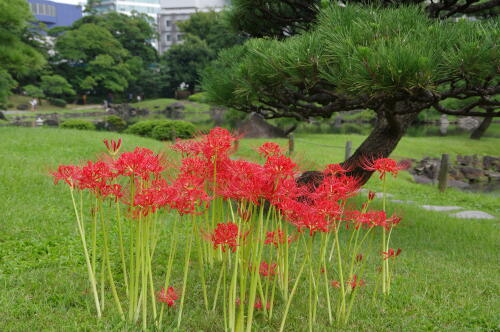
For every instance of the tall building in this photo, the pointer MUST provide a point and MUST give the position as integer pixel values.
(173, 11)
(54, 14)
(150, 7)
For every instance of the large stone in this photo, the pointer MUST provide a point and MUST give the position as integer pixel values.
(491, 163)
(2, 116)
(471, 173)
(422, 179)
(472, 215)
(256, 127)
(458, 184)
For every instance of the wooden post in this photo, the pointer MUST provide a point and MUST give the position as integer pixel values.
(443, 173)
(348, 150)
(291, 144)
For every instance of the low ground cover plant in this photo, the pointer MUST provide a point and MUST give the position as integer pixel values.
(252, 226)
(78, 124)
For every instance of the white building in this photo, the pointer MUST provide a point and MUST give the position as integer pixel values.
(150, 7)
(173, 11)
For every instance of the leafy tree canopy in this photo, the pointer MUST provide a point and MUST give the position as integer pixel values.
(283, 18)
(394, 61)
(92, 59)
(213, 28)
(16, 57)
(56, 86)
(182, 62)
(135, 32)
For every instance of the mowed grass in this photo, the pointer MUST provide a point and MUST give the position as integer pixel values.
(446, 278)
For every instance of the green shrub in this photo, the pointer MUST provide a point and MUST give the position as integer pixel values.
(143, 128)
(77, 124)
(200, 97)
(165, 131)
(162, 129)
(115, 123)
(57, 102)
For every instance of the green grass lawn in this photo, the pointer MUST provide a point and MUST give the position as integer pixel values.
(446, 278)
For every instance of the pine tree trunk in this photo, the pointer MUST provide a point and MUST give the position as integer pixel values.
(479, 131)
(379, 144)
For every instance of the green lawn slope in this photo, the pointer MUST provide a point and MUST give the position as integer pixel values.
(446, 278)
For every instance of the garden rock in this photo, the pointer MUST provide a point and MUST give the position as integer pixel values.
(472, 215)
(256, 127)
(471, 173)
(174, 111)
(2, 116)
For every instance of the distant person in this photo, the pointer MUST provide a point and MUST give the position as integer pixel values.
(130, 97)
(33, 103)
(110, 99)
(139, 98)
(84, 99)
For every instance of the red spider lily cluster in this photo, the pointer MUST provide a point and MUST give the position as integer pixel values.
(276, 231)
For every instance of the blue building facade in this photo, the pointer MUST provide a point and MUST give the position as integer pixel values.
(54, 14)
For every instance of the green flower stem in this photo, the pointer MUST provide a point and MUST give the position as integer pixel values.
(217, 288)
(290, 298)
(256, 256)
(341, 309)
(122, 250)
(108, 264)
(171, 256)
(184, 281)
(90, 270)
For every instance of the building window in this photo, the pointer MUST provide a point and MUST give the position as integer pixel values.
(179, 37)
(43, 9)
(168, 37)
(169, 23)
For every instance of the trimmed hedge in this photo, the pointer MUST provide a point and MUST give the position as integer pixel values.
(115, 123)
(162, 129)
(77, 124)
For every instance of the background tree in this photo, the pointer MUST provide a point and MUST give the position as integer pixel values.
(183, 62)
(213, 28)
(17, 58)
(396, 62)
(56, 86)
(33, 91)
(205, 34)
(90, 58)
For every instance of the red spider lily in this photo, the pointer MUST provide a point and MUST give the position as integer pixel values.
(169, 296)
(95, 176)
(371, 219)
(67, 173)
(355, 282)
(381, 165)
(258, 304)
(335, 283)
(113, 146)
(242, 180)
(277, 238)
(334, 169)
(225, 235)
(391, 253)
(187, 196)
(267, 270)
(141, 163)
(280, 166)
(269, 149)
(114, 190)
